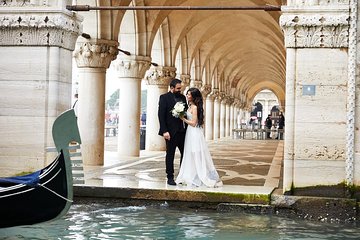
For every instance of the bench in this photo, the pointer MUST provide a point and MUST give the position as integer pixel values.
(257, 133)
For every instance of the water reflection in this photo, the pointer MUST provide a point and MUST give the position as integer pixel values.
(116, 221)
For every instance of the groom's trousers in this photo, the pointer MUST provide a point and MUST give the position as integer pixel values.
(175, 141)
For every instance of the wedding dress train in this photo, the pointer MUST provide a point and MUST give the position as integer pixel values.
(197, 166)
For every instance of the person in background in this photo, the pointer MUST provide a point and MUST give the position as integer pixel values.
(143, 118)
(268, 124)
(281, 126)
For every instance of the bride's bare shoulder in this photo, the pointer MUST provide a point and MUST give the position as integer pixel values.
(193, 108)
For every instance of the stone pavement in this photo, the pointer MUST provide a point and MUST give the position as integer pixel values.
(249, 169)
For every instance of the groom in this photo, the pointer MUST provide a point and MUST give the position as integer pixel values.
(171, 128)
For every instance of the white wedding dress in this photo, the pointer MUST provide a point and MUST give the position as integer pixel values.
(197, 166)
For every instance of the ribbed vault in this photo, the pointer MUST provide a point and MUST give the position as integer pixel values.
(245, 48)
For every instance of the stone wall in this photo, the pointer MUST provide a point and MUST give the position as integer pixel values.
(316, 140)
(35, 80)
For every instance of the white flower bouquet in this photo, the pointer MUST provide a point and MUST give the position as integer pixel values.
(178, 110)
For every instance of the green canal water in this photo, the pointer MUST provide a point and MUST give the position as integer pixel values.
(115, 221)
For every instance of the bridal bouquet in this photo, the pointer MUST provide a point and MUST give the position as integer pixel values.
(178, 110)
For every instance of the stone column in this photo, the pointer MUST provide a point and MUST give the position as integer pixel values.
(93, 57)
(266, 110)
(236, 119)
(237, 115)
(290, 118)
(246, 114)
(130, 70)
(209, 117)
(222, 115)
(158, 80)
(217, 101)
(205, 91)
(227, 117)
(316, 38)
(240, 115)
(35, 78)
(231, 120)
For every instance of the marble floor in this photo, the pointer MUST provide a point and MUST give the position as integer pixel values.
(245, 166)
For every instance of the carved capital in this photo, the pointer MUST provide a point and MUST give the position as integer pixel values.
(205, 90)
(225, 99)
(230, 100)
(132, 66)
(324, 28)
(39, 29)
(160, 75)
(213, 94)
(236, 102)
(219, 96)
(95, 53)
(196, 83)
(185, 79)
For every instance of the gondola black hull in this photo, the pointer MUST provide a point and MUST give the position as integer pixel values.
(21, 204)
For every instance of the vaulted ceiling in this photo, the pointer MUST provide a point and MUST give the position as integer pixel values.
(241, 52)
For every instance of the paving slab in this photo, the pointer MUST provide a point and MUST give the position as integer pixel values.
(249, 169)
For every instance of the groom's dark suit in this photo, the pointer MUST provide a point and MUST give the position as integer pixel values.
(175, 127)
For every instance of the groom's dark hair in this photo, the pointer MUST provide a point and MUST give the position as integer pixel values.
(174, 82)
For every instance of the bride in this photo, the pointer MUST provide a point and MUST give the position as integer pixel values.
(197, 167)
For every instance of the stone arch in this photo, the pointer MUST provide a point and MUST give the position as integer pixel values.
(272, 87)
(161, 46)
(133, 32)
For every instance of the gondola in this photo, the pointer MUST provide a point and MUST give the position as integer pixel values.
(45, 194)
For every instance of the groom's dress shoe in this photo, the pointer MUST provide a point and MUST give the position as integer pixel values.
(171, 182)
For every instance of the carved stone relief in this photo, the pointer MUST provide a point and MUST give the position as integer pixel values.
(95, 54)
(160, 75)
(196, 83)
(315, 31)
(23, 3)
(49, 29)
(315, 2)
(185, 78)
(206, 89)
(132, 67)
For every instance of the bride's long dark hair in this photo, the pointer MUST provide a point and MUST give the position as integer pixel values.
(198, 101)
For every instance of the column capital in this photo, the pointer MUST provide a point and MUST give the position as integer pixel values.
(205, 90)
(219, 96)
(316, 26)
(132, 66)
(196, 83)
(185, 79)
(226, 99)
(39, 28)
(213, 94)
(230, 100)
(236, 102)
(95, 53)
(160, 75)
